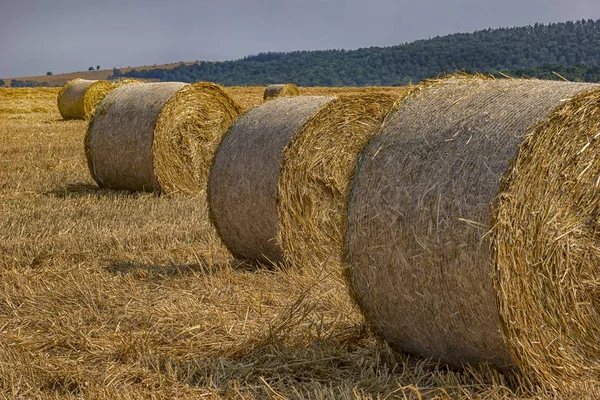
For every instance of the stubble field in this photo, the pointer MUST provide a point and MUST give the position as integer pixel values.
(111, 294)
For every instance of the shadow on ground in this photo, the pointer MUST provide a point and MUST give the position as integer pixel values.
(350, 364)
(75, 190)
(169, 270)
(203, 267)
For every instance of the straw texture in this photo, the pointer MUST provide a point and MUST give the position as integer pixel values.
(98, 90)
(421, 232)
(316, 176)
(158, 136)
(281, 90)
(547, 231)
(245, 176)
(70, 98)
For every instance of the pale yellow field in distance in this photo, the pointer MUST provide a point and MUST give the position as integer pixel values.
(109, 294)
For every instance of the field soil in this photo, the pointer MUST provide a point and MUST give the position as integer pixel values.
(117, 295)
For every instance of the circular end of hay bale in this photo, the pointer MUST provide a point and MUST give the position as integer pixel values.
(245, 174)
(94, 95)
(281, 90)
(71, 98)
(187, 135)
(98, 90)
(547, 244)
(317, 173)
(421, 229)
(158, 136)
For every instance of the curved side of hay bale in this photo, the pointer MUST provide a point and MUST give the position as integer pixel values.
(317, 173)
(158, 136)
(547, 224)
(281, 90)
(70, 98)
(245, 175)
(98, 90)
(419, 244)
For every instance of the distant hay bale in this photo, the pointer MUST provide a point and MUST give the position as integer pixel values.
(96, 92)
(70, 98)
(473, 227)
(281, 90)
(158, 136)
(244, 178)
(316, 176)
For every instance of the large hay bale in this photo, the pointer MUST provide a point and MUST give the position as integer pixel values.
(245, 175)
(281, 90)
(158, 136)
(98, 90)
(316, 176)
(473, 233)
(70, 98)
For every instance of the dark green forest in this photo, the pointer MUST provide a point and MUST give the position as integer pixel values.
(26, 83)
(572, 49)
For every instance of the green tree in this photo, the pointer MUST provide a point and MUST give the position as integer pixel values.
(90, 68)
(49, 73)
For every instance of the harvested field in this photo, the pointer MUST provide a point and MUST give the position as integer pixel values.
(252, 96)
(115, 295)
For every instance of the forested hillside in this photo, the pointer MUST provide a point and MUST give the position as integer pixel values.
(514, 51)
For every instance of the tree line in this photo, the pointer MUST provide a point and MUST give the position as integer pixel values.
(528, 50)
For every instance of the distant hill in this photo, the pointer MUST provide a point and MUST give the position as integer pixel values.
(60, 79)
(490, 50)
(570, 50)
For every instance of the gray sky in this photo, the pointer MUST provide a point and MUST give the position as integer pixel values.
(71, 35)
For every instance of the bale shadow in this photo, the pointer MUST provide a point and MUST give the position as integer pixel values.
(81, 189)
(157, 271)
(123, 267)
(334, 368)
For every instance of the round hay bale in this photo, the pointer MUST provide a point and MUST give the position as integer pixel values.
(281, 90)
(70, 98)
(244, 178)
(316, 176)
(473, 237)
(158, 136)
(98, 90)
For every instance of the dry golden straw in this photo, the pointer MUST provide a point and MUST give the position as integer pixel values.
(245, 175)
(473, 227)
(316, 176)
(98, 90)
(158, 136)
(281, 90)
(71, 98)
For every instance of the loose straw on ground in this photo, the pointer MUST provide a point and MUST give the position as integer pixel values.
(281, 90)
(473, 227)
(158, 136)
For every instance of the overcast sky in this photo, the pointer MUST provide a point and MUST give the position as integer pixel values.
(71, 35)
